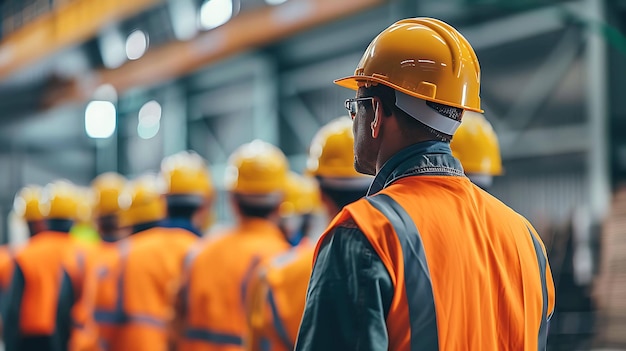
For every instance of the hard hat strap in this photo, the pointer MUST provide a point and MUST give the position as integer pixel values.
(418, 109)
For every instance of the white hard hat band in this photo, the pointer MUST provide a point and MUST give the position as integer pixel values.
(418, 109)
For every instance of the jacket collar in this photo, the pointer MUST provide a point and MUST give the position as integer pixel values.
(425, 158)
(182, 223)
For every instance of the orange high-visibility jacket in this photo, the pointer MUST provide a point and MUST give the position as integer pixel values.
(278, 294)
(138, 292)
(218, 278)
(468, 272)
(51, 296)
(6, 268)
(107, 273)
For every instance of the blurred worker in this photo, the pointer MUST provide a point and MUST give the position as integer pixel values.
(107, 188)
(476, 145)
(298, 209)
(278, 297)
(84, 229)
(48, 306)
(152, 259)
(213, 296)
(142, 206)
(26, 206)
(427, 260)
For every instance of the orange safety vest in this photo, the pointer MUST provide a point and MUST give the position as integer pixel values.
(51, 295)
(139, 290)
(277, 301)
(107, 272)
(469, 273)
(218, 277)
(6, 268)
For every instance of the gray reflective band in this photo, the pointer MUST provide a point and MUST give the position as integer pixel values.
(419, 292)
(543, 327)
(418, 109)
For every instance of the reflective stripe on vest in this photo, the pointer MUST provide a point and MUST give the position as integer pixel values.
(543, 327)
(213, 337)
(421, 303)
(119, 316)
(278, 324)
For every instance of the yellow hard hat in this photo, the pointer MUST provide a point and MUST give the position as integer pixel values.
(26, 203)
(332, 150)
(60, 200)
(257, 168)
(302, 196)
(107, 188)
(141, 201)
(423, 58)
(86, 202)
(475, 144)
(186, 173)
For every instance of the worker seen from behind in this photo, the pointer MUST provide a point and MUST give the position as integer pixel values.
(278, 296)
(475, 144)
(427, 260)
(49, 303)
(299, 208)
(152, 259)
(212, 311)
(26, 207)
(107, 188)
(84, 229)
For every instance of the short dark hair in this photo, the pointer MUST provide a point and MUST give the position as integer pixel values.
(107, 224)
(343, 197)
(254, 210)
(408, 124)
(182, 206)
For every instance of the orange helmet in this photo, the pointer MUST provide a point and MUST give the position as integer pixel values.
(424, 58)
(475, 144)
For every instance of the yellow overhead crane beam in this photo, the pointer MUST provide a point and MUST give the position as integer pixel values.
(247, 30)
(70, 23)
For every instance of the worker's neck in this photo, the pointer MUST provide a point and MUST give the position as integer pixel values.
(392, 146)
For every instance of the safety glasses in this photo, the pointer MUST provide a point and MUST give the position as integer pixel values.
(352, 105)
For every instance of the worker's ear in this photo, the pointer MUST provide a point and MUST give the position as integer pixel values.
(378, 118)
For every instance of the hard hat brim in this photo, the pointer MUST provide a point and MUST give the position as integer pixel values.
(352, 83)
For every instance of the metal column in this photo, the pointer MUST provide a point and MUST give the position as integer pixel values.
(598, 160)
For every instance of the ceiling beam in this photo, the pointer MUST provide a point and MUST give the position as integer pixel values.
(69, 24)
(248, 30)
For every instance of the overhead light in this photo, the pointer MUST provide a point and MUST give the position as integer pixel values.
(105, 92)
(149, 120)
(148, 131)
(136, 45)
(111, 44)
(215, 13)
(275, 2)
(180, 12)
(150, 113)
(100, 119)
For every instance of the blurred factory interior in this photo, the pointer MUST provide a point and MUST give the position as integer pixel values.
(88, 87)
